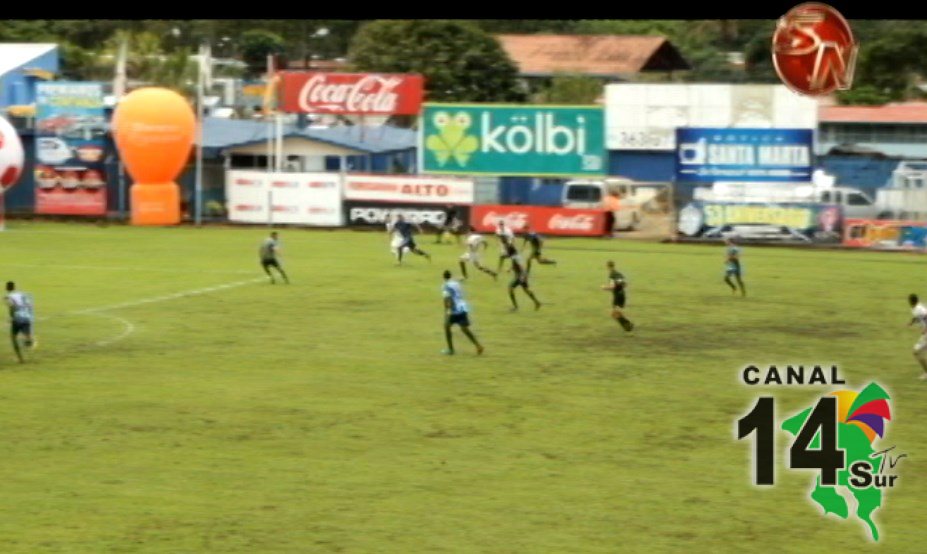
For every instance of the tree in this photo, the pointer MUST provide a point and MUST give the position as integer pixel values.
(256, 45)
(571, 89)
(460, 62)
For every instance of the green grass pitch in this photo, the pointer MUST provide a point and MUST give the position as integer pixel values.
(320, 416)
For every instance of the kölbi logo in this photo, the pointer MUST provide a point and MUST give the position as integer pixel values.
(814, 51)
(539, 133)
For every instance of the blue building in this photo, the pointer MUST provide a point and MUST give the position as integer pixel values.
(21, 66)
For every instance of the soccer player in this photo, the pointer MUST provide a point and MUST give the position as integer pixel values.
(472, 255)
(617, 284)
(919, 315)
(535, 240)
(732, 267)
(456, 313)
(21, 317)
(506, 243)
(405, 231)
(520, 279)
(396, 239)
(268, 253)
(451, 224)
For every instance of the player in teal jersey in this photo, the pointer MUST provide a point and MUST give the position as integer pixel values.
(732, 267)
(456, 312)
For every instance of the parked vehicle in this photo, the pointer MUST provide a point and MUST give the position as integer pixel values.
(632, 198)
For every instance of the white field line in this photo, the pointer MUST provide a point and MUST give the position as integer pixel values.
(128, 326)
(166, 297)
(124, 268)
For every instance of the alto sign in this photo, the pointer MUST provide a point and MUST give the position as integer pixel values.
(512, 139)
(351, 93)
(545, 220)
(408, 188)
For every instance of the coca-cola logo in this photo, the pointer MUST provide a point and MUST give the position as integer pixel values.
(285, 184)
(321, 184)
(247, 208)
(370, 93)
(578, 222)
(318, 210)
(247, 182)
(513, 220)
(375, 216)
(286, 209)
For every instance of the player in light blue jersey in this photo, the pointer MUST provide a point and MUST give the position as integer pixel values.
(456, 312)
(732, 267)
(21, 317)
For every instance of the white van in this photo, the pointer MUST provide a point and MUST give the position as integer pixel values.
(590, 194)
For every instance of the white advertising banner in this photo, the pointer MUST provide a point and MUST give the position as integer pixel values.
(284, 198)
(408, 188)
(645, 117)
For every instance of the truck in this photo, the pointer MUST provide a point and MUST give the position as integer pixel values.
(633, 198)
(822, 190)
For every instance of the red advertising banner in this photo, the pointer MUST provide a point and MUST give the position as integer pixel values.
(408, 188)
(351, 93)
(75, 191)
(545, 220)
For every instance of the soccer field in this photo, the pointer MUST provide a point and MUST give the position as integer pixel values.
(180, 403)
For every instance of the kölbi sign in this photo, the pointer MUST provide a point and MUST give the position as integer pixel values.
(351, 93)
(512, 139)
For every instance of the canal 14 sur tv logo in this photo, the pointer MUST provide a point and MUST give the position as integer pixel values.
(837, 436)
(813, 50)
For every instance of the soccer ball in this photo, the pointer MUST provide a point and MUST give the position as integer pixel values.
(11, 155)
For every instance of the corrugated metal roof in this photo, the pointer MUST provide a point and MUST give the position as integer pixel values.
(906, 112)
(18, 54)
(591, 54)
(228, 133)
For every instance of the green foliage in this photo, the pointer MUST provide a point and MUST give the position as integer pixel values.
(571, 89)
(460, 62)
(256, 45)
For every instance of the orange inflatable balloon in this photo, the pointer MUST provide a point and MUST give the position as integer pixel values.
(154, 130)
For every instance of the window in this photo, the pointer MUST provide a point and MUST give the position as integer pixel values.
(584, 193)
(856, 199)
(825, 196)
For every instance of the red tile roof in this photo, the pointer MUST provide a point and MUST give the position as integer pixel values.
(906, 112)
(591, 54)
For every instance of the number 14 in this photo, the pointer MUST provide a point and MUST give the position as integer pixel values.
(821, 421)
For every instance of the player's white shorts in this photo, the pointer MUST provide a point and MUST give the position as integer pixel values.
(395, 243)
(470, 257)
(921, 345)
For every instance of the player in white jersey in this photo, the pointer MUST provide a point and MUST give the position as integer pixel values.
(506, 243)
(919, 316)
(396, 239)
(268, 253)
(21, 317)
(472, 255)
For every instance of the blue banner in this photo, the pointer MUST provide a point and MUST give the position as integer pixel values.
(710, 155)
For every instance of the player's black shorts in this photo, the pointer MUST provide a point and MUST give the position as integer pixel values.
(408, 243)
(535, 253)
(462, 319)
(271, 262)
(519, 281)
(17, 327)
(618, 300)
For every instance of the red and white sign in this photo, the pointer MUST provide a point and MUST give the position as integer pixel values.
(813, 50)
(544, 220)
(352, 93)
(285, 198)
(408, 188)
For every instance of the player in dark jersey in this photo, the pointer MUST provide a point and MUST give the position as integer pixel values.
(404, 228)
(617, 284)
(533, 238)
(451, 224)
(732, 267)
(520, 279)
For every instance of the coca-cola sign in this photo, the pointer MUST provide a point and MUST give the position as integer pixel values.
(543, 219)
(352, 93)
